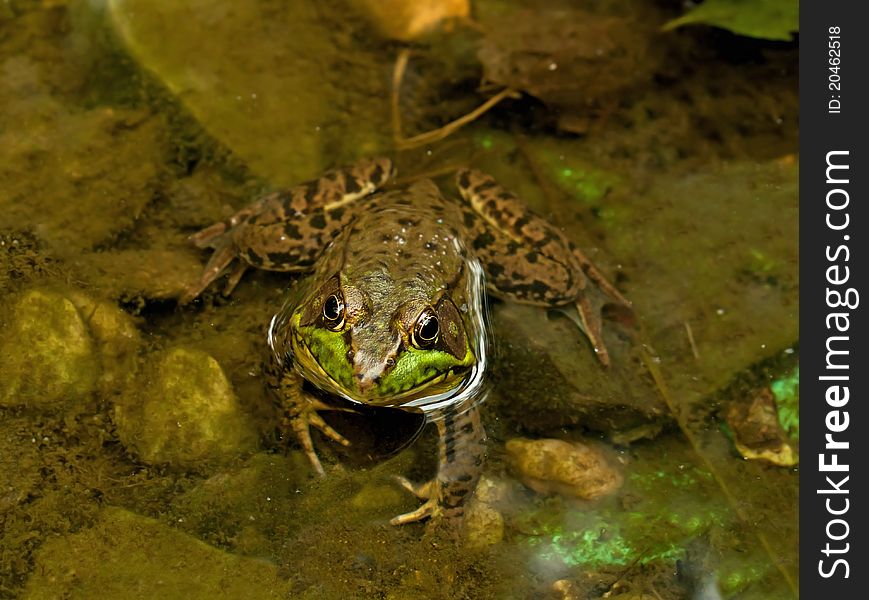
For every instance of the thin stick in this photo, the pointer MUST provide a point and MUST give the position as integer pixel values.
(435, 135)
(397, 77)
(403, 143)
(691, 341)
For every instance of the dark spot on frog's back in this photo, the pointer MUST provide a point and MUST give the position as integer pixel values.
(495, 270)
(336, 213)
(253, 259)
(318, 221)
(483, 240)
(280, 258)
(351, 185)
(469, 219)
(485, 186)
(377, 174)
(291, 230)
(531, 257)
(464, 179)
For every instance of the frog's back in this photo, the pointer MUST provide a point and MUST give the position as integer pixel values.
(410, 235)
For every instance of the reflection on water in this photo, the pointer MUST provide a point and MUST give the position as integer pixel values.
(139, 451)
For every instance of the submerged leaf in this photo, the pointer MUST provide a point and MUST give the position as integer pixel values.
(766, 19)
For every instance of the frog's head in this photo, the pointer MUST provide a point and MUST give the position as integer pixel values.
(378, 340)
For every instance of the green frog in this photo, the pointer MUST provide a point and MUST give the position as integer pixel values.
(392, 313)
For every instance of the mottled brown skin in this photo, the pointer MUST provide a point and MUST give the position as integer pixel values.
(394, 255)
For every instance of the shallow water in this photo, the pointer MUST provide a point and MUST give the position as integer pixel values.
(670, 158)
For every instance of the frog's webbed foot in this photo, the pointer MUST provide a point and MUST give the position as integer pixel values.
(428, 491)
(461, 451)
(284, 230)
(300, 419)
(223, 255)
(529, 260)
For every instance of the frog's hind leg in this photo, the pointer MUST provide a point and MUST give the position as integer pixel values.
(286, 230)
(223, 255)
(529, 260)
(461, 453)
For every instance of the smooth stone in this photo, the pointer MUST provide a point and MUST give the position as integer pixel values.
(483, 524)
(183, 411)
(125, 555)
(47, 356)
(116, 337)
(569, 468)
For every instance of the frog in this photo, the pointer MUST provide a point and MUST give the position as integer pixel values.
(391, 308)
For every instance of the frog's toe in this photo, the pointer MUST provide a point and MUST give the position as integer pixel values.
(317, 421)
(431, 508)
(302, 431)
(592, 325)
(301, 426)
(423, 491)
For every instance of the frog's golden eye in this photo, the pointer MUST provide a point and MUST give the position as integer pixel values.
(333, 312)
(426, 330)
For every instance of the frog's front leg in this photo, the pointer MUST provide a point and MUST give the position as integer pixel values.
(529, 260)
(299, 410)
(287, 230)
(461, 452)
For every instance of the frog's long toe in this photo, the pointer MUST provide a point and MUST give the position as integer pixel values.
(301, 425)
(428, 509)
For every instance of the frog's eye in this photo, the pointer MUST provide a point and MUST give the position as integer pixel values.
(333, 312)
(425, 332)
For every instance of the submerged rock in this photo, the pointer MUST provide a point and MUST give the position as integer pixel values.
(183, 411)
(569, 468)
(116, 338)
(125, 555)
(282, 85)
(483, 524)
(547, 376)
(47, 356)
(757, 433)
(154, 273)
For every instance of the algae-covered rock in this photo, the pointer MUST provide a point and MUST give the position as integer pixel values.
(374, 496)
(47, 356)
(116, 339)
(556, 466)
(152, 273)
(77, 179)
(125, 555)
(182, 411)
(483, 524)
(286, 87)
(547, 376)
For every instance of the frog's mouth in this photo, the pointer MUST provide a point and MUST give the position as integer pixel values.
(407, 381)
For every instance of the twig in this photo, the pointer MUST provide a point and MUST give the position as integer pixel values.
(440, 133)
(429, 137)
(658, 378)
(691, 341)
(397, 77)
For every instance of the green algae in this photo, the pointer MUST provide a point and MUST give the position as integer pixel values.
(128, 556)
(787, 395)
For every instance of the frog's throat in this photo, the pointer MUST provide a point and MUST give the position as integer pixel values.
(321, 355)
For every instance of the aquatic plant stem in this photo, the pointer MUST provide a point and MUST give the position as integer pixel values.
(660, 384)
(429, 137)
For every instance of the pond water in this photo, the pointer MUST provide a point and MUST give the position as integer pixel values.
(141, 454)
